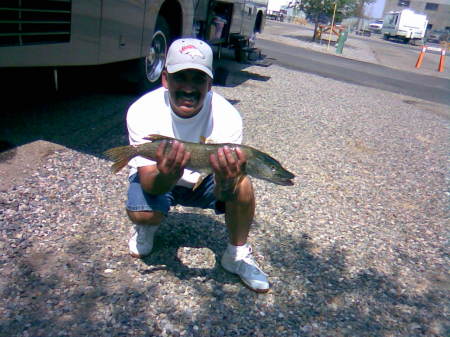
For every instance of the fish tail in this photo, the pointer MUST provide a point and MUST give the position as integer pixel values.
(120, 156)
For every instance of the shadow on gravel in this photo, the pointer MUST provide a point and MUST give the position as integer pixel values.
(68, 293)
(369, 304)
(228, 78)
(86, 114)
(7, 151)
(197, 231)
(327, 302)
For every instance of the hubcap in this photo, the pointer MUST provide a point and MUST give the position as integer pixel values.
(156, 57)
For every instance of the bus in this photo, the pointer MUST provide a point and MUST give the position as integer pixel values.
(63, 33)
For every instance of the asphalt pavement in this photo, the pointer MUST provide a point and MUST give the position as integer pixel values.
(357, 72)
(367, 61)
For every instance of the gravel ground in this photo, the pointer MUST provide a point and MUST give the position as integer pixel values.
(358, 247)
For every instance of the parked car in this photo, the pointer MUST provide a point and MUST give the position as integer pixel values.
(363, 32)
(436, 36)
(376, 26)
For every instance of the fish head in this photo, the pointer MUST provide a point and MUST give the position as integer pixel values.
(262, 166)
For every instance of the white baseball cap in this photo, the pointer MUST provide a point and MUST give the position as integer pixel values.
(189, 53)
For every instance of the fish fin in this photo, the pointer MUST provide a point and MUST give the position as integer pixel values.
(204, 140)
(199, 181)
(120, 156)
(157, 137)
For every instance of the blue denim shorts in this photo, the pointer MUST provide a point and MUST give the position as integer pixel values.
(202, 197)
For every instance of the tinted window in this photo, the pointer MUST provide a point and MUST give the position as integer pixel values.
(431, 6)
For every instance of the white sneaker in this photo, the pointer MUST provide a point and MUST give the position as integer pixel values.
(141, 243)
(248, 270)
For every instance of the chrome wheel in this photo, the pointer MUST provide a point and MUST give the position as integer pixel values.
(156, 57)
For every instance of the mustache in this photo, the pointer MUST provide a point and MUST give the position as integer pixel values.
(187, 95)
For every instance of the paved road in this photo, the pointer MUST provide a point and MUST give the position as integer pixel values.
(362, 73)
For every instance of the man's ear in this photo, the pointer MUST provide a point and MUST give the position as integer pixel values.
(164, 79)
(210, 81)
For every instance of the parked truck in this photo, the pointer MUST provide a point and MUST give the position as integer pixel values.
(406, 25)
(64, 33)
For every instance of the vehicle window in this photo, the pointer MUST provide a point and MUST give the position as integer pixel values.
(431, 6)
(391, 19)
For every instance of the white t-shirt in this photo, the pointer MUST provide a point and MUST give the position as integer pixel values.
(218, 121)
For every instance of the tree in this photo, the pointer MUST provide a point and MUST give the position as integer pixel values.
(360, 10)
(318, 9)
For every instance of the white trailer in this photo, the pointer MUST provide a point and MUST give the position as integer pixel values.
(406, 25)
(64, 33)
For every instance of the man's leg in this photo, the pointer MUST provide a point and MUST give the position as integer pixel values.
(239, 213)
(146, 212)
(145, 218)
(238, 257)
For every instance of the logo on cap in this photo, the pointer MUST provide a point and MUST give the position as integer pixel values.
(192, 51)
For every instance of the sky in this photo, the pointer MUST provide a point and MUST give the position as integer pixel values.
(375, 10)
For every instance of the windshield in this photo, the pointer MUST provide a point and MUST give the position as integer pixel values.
(391, 19)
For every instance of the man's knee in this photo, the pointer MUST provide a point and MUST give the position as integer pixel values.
(245, 191)
(145, 217)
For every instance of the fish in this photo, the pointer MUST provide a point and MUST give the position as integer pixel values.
(259, 165)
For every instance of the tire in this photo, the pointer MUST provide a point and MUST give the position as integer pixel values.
(145, 73)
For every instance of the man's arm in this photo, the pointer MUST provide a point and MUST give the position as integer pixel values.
(162, 177)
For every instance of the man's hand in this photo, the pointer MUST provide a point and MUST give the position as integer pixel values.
(171, 165)
(229, 168)
(162, 177)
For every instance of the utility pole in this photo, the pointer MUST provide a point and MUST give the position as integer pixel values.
(332, 24)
